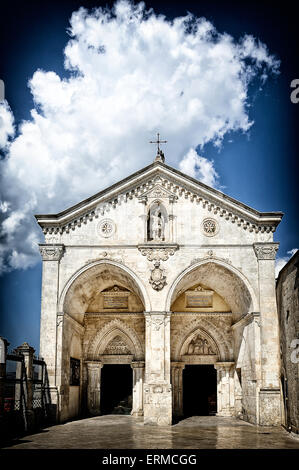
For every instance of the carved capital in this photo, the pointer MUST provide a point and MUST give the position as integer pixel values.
(156, 320)
(51, 252)
(265, 250)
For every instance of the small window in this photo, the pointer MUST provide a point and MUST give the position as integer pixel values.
(74, 371)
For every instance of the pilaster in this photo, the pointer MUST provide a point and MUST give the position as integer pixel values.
(157, 388)
(225, 388)
(138, 379)
(269, 395)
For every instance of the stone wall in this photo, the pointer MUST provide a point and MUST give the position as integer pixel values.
(287, 291)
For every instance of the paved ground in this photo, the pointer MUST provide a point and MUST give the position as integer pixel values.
(125, 432)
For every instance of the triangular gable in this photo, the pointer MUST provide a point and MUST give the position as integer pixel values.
(160, 178)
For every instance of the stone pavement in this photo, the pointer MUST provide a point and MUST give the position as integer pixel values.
(126, 432)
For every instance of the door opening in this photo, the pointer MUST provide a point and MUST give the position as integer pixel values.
(199, 390)
(116, 389)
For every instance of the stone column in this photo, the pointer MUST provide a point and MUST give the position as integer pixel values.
(27, 352)
(94, 387)
(3, 352)
(51, 255)
(157, 388)
(269, 395)
(225, 388)
(138, 378)
(177, 387)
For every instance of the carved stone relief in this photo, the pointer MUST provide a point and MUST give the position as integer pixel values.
(199, 345)
(51, 252)
(117, 346)
(157, 278)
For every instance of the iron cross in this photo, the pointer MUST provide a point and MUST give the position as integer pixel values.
(158, 141)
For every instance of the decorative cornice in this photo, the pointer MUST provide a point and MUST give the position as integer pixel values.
(171, 181)
(51, 252)
(265, 250)
(158, 252)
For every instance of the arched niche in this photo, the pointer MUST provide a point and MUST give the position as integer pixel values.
(157, 222)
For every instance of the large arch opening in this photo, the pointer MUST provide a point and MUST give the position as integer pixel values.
(205, 300)
(104, 303)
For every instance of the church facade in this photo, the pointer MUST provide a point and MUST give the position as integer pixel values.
(158, 299)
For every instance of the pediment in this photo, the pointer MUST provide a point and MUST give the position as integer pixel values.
(163, 181)
(158, 191)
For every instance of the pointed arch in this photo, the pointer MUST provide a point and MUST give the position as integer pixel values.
(110, 330)
(208, 329)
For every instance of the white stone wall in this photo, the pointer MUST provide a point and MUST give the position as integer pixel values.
(236, 262)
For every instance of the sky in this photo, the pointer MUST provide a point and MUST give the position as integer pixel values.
(88, 84)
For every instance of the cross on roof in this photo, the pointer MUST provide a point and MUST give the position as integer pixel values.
(158, 142)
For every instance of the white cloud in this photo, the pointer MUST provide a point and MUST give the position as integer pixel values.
(6, 124)
(200, 168)
(282, 261)
(131, 73)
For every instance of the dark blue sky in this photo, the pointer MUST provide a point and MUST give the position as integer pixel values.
(260, 169)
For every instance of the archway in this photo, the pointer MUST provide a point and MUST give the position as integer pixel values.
(109, 300)
(205, 300)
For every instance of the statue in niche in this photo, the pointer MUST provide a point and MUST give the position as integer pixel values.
(157, 224)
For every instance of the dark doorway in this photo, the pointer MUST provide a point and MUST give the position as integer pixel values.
(116, 389)
(199, 390)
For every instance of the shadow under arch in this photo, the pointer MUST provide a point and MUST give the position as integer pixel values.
(220, 276)
(74, 287)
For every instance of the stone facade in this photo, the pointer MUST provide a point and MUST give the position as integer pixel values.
(161, 272)
(287, 291)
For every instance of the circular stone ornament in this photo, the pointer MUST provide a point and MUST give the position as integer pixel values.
(106, 228)
(210, 227)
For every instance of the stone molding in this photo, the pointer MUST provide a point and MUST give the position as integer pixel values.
(51, 252)
(158, 252)
(176, 187)
(265, 251)
(224, 365)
